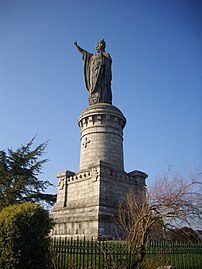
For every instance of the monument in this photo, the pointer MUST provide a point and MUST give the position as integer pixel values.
(87, 199)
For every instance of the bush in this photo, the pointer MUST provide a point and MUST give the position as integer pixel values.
(24, 236)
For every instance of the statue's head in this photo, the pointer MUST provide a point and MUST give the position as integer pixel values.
(101, 45)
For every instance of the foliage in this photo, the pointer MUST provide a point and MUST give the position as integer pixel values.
(18, 176)
(24, 237)
(185, 235)
(172, 201)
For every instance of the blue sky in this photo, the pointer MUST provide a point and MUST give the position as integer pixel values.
(156, 47)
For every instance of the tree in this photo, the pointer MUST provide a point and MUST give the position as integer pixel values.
(19, 171)
(184, 235)
(24, 239)
(173, 201)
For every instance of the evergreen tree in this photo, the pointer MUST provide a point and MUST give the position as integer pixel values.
(19, 171)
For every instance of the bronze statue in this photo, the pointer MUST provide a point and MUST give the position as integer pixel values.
(97, 74)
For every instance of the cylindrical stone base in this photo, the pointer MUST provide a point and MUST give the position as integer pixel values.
(101, 136)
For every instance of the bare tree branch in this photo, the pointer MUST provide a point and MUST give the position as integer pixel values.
(173, 201)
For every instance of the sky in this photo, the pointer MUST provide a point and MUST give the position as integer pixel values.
(156, 48)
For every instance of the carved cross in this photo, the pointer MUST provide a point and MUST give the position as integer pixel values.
(86, 142)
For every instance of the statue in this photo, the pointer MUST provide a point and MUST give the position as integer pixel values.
(97, 74)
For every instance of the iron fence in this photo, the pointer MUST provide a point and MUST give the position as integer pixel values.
(90, 254)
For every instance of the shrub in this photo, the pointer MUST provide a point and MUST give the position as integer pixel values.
(24, 239)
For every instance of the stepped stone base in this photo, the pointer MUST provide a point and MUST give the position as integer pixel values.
(87, 200)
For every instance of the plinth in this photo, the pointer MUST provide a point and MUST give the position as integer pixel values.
(87, 200)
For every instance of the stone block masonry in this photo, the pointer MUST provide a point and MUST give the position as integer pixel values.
(101, 136)
(87, 199)
(90, 198)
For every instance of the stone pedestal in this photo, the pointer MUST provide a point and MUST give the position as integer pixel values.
(102, 136)
(87, 200)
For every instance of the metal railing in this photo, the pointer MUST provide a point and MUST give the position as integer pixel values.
(90, 254)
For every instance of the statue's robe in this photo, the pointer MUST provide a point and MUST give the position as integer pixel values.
(98, 76)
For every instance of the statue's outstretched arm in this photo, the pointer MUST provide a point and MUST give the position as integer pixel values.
(79, 48)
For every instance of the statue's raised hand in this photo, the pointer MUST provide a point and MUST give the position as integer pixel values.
(78, 47)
